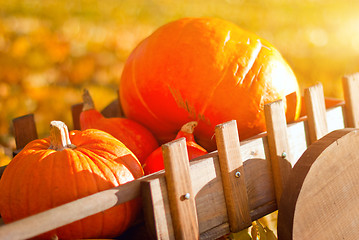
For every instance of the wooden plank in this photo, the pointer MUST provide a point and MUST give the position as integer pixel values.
(351, 97)
(120, 112)
(42, 222)
(322, 195)
(111, 110)
(233, 178)
(179, 188)
(258, 172)
(24, 130)
(158, 223)
(207, 186)
(336, 118)
(298, 140)
(76, 110)
(280, 154)
(316, 112)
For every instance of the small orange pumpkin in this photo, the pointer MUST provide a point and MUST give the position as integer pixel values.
(135, 136)
(154, 162)
(64, 167)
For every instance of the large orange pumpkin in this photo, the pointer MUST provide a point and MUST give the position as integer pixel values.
(208, 70)
(66, 166)
(135, 136)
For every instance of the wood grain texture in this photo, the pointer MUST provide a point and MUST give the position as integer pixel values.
(24, 130)
(316, 112)
(207, 188)
(280, 154)
(321, 198)
(158, 223)
(42, 222)
(351, 97)
(233, 178)
(179, 190)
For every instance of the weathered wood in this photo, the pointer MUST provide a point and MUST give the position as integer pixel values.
(233, 178)
(280, 154)
(321, 198)
(42, 222)
(351, 97)
(112, 110)
(316, 112)
(24, 130)
(76, 110)
(120, 112)
(158, 223)
(179, 189)
(207, 188)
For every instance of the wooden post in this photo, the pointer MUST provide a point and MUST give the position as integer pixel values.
(280, 154)
(76, 110)
(158, 224)
(233, 178)
(24, 130)
(351, 97)
(120, 109)
(316, 112)
(112, 110)
(179, 187)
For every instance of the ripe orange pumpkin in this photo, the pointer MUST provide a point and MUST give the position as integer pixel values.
(208, 70)
(154, 162)
(135, 136)
(64, 167)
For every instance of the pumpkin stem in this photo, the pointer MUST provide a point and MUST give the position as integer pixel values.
(59, 136)
(189, 127)
(87, 101)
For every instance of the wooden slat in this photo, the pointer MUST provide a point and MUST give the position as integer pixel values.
(76, 110)
(111, 110)
(351, 97)
(280, 154)
(158, 223)
(233, 177)
(179, 188)
(207, 188)
(42, 222)
(24, 130)
(316, 112)
(120, 112)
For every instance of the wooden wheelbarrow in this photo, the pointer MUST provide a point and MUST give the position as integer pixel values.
(225, 190)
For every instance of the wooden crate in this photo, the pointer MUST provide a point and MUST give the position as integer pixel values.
(222, 191)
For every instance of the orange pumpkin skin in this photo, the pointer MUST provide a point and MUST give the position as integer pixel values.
(154, 162)
(39, 178)
(208, 70)
(135, 136)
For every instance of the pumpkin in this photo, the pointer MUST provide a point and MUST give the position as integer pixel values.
(208, 70)
(154, 162)
(66, 166)
(135, 136)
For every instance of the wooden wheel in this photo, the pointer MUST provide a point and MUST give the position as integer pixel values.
(321, 197)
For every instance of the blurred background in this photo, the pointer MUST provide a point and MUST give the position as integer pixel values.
(50, 50)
